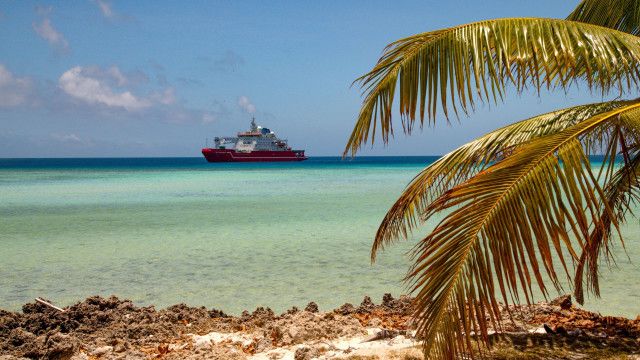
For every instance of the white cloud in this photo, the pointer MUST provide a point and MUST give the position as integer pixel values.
(115, 72)
(101, 92)
(113, 76)
(105, 8)
(69, 138)
(246, 105)
(82, 86)
(46, 31)
(13, 91)
(167, 97)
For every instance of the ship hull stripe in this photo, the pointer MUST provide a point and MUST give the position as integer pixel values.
(227, 155)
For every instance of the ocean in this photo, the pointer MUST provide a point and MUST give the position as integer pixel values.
(163, 231)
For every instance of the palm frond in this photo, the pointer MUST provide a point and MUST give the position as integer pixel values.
(623, 15)
(621, 190)
(466, 161)
(504, 226)
(454, 68)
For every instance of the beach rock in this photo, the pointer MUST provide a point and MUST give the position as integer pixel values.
(80, 356)
(25, 343)
(36, 307)
(292, 311)
(117, 329)
(245, 316)
(311, 307)
(294, 334)
(375, 322)
(102, 350)
(387, 300)
(8, 322)
(261, 313)
(184, 313)
(262, 344)
(61, 346)
(346, 309)
(366, 305)
(563, 301)
(261, 317)
(401, 306)
(18, 337)
(122, 346)
(305, 353)
(214, 313)
(202, 342)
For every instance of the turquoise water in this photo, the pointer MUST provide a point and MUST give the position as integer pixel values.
(229, 236)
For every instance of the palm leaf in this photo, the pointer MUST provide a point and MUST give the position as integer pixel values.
(459, 165)
(623, 15)
(504, 227)
(621, 191)
(454, 68)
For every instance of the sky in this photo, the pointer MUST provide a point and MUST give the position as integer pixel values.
(100, 78)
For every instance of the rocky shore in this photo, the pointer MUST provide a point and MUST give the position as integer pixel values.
(110, 328)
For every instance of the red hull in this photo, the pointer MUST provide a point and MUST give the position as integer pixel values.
(230, 155)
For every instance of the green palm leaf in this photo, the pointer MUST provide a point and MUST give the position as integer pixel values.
(504, 226)
(623, 15)
(453, 68)
(459, 165)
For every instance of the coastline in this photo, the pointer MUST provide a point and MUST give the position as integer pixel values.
(111, 328)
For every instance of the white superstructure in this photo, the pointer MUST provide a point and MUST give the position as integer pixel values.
(258, 138)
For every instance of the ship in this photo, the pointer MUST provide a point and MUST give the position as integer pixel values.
(259, 144)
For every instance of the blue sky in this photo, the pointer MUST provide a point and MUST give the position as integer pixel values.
(155, 78)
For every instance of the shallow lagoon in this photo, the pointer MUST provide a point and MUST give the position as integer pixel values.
(229, 236)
